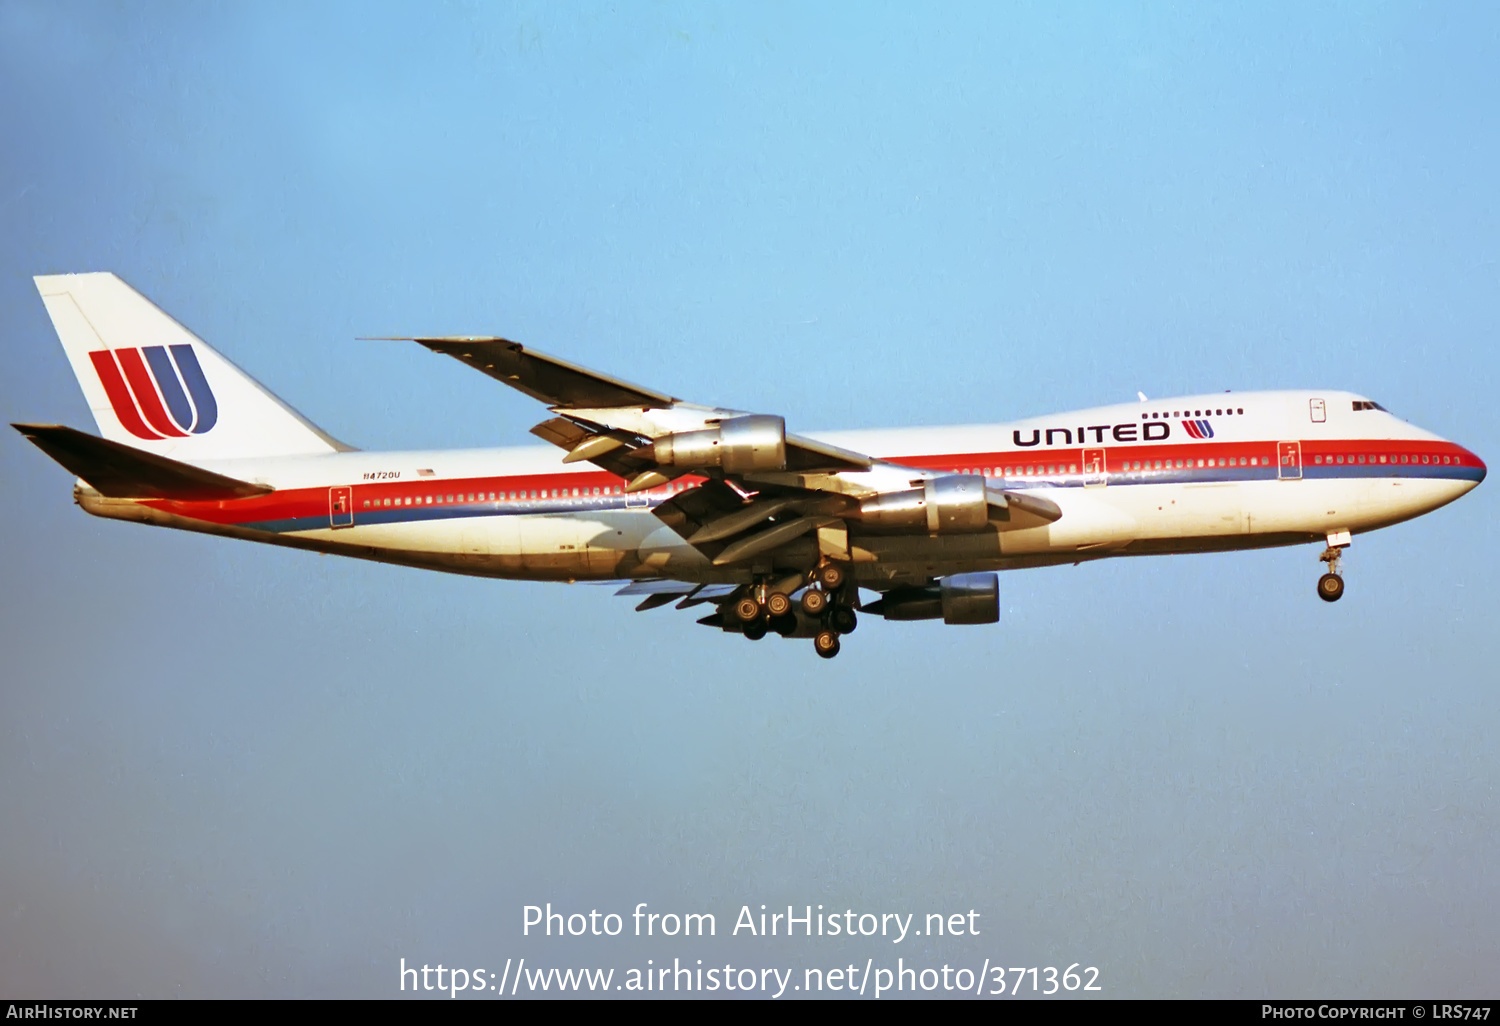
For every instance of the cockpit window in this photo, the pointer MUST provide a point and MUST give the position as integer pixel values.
(1366, 404)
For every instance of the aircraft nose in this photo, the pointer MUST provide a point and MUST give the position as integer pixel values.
(1474, 460)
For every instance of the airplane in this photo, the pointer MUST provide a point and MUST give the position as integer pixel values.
(776, 532)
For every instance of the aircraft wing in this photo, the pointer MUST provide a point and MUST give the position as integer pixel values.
(765, 487)
(557, 383)
(566, 387)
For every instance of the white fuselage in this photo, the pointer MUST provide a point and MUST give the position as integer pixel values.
(1201, 473)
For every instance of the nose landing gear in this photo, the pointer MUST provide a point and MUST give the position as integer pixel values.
(1331, 584)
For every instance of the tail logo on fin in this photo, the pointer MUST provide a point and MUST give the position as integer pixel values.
(157, 391)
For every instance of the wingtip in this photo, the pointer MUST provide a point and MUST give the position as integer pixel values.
(30, 430)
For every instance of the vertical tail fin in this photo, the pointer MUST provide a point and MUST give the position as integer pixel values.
(154, 385)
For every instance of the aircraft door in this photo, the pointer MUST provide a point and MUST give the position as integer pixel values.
(1289, 461)
(341, 507)
(1093, 468)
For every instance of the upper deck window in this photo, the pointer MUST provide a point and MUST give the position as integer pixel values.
(1366, 404)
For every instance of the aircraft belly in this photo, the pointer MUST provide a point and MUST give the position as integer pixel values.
(605, 545)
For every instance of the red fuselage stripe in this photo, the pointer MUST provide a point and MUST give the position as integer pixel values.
(291, 504)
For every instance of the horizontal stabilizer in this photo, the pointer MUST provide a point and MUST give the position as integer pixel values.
(124, 472)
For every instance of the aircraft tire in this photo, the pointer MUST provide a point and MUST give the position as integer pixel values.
(831, 576)
(826, 644)
(778, 604)
(747, 610)
(755, 631)
(1330, 587)
(785, 625)
(843, 620)
(814, 602)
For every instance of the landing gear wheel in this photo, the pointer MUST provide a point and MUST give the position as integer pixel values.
(826, 644)
(778, 604)
(1330, 587)
(831, 576)
(814, 602)
(755, 631)
(786, 625)
(843, 620)
(747, 610)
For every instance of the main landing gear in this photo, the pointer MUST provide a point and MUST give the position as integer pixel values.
(1331, 584)
(825, 608)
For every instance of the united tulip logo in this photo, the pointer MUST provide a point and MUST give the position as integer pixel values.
(157, 391)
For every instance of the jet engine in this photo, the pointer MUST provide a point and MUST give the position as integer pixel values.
(739, 445)
(954, 504)
(957, 599)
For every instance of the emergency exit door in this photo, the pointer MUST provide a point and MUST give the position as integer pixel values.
(341, 507)
(1289, 460)
(1093, 467)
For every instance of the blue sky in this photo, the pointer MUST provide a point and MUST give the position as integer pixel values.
(231, 770)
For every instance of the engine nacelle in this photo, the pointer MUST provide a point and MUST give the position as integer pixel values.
(739, 445)
(954, 504)
(957, 599)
